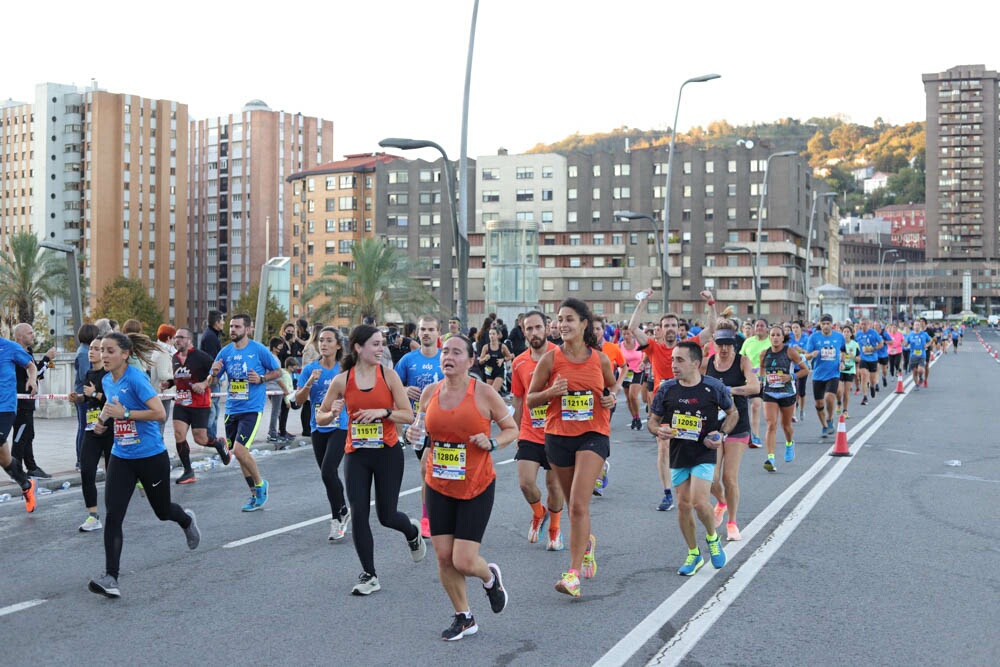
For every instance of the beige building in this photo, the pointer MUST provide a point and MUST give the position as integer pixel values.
(237, 160)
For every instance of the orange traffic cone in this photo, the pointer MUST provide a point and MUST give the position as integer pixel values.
(899, 384)
(840, 447)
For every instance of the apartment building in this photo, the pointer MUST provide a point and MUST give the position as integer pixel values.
(907, 224)
(241, 209)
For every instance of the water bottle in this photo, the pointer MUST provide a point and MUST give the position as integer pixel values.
(417, 432)
(4, 497)
(65, 486)
(43, 491)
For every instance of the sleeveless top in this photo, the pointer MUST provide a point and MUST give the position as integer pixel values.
(774, 365)
(580, 410)
(378, 434)
(457, 468)
(733, 377)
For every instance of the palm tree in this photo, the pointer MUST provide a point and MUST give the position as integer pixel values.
(28, 276)
(378, 280)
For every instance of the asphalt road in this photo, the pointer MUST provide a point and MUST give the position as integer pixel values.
(887, 557)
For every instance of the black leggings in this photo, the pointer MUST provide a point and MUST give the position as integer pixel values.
(894, 360)
(328, 447)
(384, 466)
(94, 447)
(154, 473)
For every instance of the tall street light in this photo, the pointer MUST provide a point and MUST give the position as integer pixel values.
(760, 214)
(809, 238)
(892, 275)
(631, 215)
(666, 197)
(461, 241)
(881, 261)
(72, 276)
(756, 271)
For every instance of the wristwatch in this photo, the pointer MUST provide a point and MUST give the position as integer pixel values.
(388, 413)
(493, 444)
(128, 414)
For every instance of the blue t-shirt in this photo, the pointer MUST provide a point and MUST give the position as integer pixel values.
(868, 340)
(883, 352)
(318, 391)
(826, 365)
(133, 439)
(917, 343)
(416, 370)
(11, 355)
(243, 396)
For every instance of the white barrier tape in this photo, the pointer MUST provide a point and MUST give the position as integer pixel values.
(65, 397)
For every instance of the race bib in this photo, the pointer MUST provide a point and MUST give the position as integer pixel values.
(92, 416)
(918, 353)
(867, 349)
(183, 397)
(629, 375)
(488, 370)
(449, 460)
(688, 427)
(239, 390)
(775, 379)
(538, 416)
(126, 433)
(578, 406)
(367, 436)
(827, 353)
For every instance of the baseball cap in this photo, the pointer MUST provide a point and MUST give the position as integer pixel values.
(725, 337)
(826, 317)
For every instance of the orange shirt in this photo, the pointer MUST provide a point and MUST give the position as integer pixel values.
(381, 433)
(614, 354)
(580, 411)
(457, 468)
(533, 419)
(661, 358)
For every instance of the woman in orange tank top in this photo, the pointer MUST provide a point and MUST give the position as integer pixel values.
(577, 383)
(460, 477)
(376, 401)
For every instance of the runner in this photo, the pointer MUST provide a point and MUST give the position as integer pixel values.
(493, 359)
(635, 379)
(883, 354)
(327, 441)
(614, 355)
(416, 370)
(736, 372)
(530, 454)
(191, 369)
(460, 479)
(919, 344)
(659, 354)
(577, 384)
(778, 373)
(928, 355)
(895, 350)
(823, 348)
(752, 348)
(376, 401)
(870, 342)
(94, 446)
(13, 356)
(797, 340)
(138, 453)
(849, 355)
(686, 412)
(249, 366)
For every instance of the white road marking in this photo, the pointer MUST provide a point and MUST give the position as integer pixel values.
(20, 606)
(901, 451)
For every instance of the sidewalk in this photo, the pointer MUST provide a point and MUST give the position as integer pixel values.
(55, 448)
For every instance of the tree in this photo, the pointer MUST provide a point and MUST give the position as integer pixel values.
(127, 299)
(28, 276)
(379, 280)
(274, 315)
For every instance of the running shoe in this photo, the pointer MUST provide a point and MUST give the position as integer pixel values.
(462, 625)
(795, 418)
(769, 464)
(604, 474)
(367, 584)
(885, 383)
(754, 441)
(925, 384)
(733, 532)
(39, 473)
(261, 492)
(871, 389)
(336, 530)
(667, 503)
(716, 552)
(536, 527)
(857, 390)
(589, 559)
(105, 585)
(418, 548)
(720, 512)
(187, 478)
(846, 416)
(29, 495)
(251, 505)
(569, 584)
(555, 543)
(273, 437)
(823, 432)
(90, 524)
(864, 401)
(691, 565)
(425, 527)
(222, 447)
(916, 387)
(829, 427)
(192, 533)
(789, 454)
(496, 594)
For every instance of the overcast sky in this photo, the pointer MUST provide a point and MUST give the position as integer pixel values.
(543, 69)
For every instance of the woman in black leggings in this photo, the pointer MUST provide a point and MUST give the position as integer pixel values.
(94, 446)
(376, 401)
(134, 411)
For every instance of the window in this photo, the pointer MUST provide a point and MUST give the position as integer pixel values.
(572, 285)
(686, 191)
(399, 199)
(623, 192)
(709, 190)
(709, 214)
(731, 166)
(525, 216)
(617, 239)
(548, 285)
(425, 176)
(348, 225)
(331, 205)
(571, 171)
(347, 203)
(633, 238)
(597, 285)
(709, 238)
(658, 191)
(491, 174)
(623, 170)
(686, 215)
(709, 167)
(575, 262)
(597, 170)
(425, 219)
(599, 261)
(598, 239)
(755, 189)
(330, 247)
(731, 213)
(491, 195)
(546, 195)
(331, 182)
(525, 195)
(731, 189)
(348, 182)
(574, 239)
(596, 194)
(753, 213)
(346, 245)
(686, 168)
(546, 216)
(571, 194)
(621, 285)
(488, 216)
(595, 216)
(524, 172)
(546, 172)
(571, 216)
(399, 177)
(430, 197)
(398, 220)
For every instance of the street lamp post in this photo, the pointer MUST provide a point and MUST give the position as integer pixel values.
(809, 237)
(892, 276)
(666, 196)
(631, 215)
(461, 241)
(878, 293)
(754, 266)
(760, 215)
(72, 275)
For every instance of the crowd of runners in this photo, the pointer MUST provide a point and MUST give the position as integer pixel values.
(547, 387)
